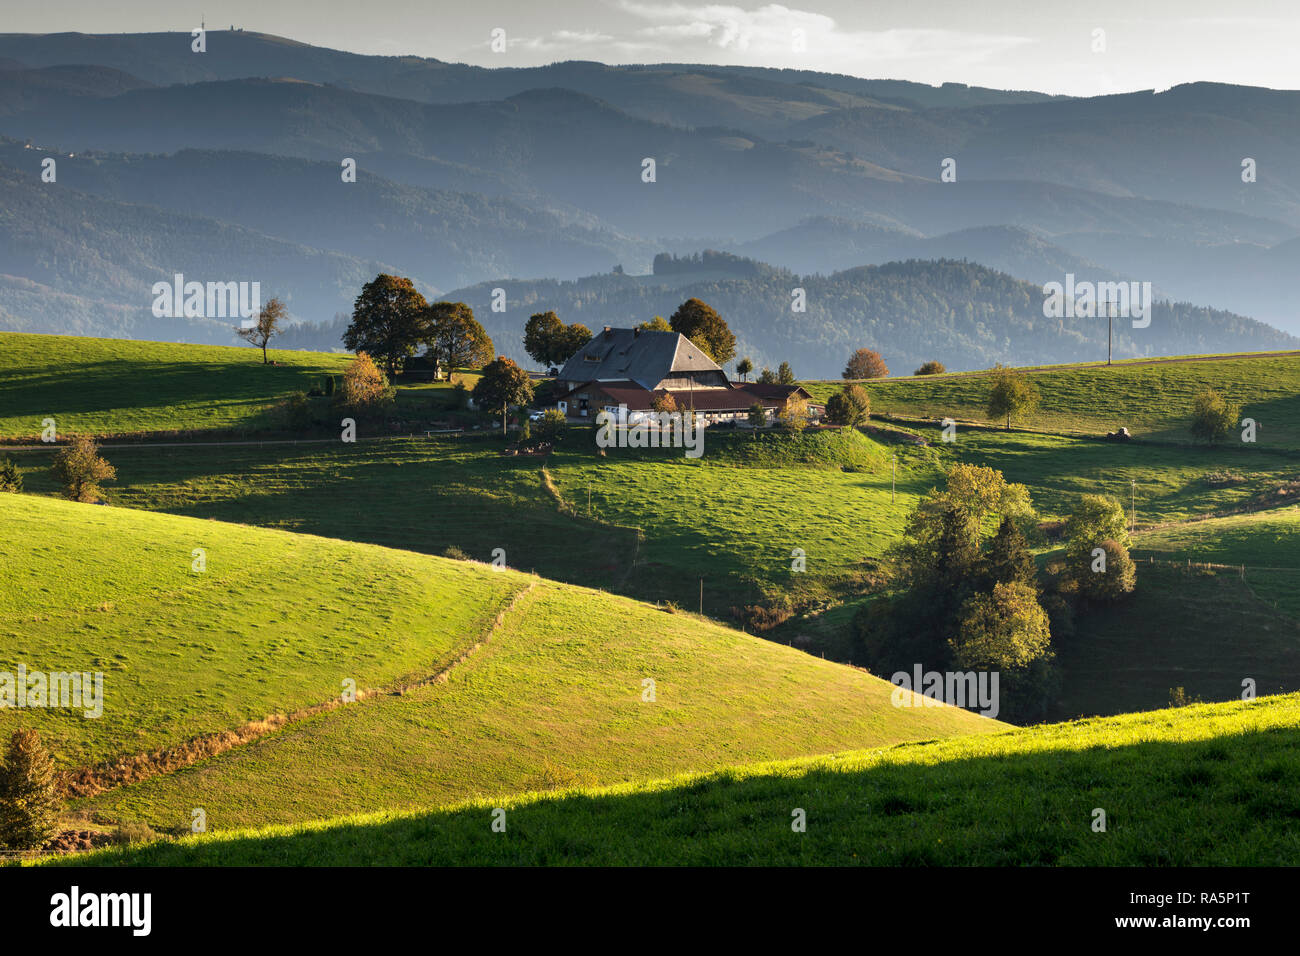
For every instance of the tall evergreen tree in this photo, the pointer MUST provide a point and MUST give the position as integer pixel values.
(29, 801)
(1009, 560)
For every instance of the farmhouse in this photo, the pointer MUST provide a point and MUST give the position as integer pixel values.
(636, 367)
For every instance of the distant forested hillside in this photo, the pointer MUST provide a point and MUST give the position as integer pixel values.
(965, 315)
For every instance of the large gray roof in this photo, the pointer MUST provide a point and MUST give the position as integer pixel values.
(645, 357)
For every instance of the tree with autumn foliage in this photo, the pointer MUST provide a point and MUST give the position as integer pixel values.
(865, 363)
(365, 389)
(80, 470)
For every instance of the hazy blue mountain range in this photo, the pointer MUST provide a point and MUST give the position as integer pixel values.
(228, 163)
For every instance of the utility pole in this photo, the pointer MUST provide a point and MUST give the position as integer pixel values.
(1110, 337)
(893, 476)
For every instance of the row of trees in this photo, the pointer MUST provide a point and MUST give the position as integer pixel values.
(784, 375)
(391, 321)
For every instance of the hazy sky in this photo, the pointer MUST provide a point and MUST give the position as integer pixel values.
(1013, 44)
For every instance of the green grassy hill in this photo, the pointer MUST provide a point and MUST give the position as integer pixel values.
(1202, 785)
(732, 517)
(508, 682)
(123, 387)
(1216, 603)
(1154, 401)
(1264, 545)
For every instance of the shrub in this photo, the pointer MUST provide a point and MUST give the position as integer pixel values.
(550, 427)
(365, 388)
(455, 553)
(1213, 416)
(1178, 697)
(11, 479)
(80, 469)
(29, 801)
(758, 618)
(330, 385)
(129, 833)
(298, 412)
(931, 368)
(849, 406)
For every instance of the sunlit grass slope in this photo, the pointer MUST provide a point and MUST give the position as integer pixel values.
(576, 687)
(278, 621)
(119, 386)
(1153, 401)
(1201, 785)
(275, 622)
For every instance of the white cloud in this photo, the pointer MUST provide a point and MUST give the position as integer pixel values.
(767, 36)
(771, 35)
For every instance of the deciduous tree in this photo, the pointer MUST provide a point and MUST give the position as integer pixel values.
(365, 389)
(865, 363)
(80, 469)
(265, 326)
(700, 323)
(794, 414)
(390, 319)
(454, 337)
(1005, 629)
(850, 406)
(502, 384)
(1012, 394)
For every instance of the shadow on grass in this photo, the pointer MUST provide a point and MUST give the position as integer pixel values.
(1205, 632)
(1223, 801)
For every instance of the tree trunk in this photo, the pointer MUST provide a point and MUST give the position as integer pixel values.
(264, 361)
(504, 412)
